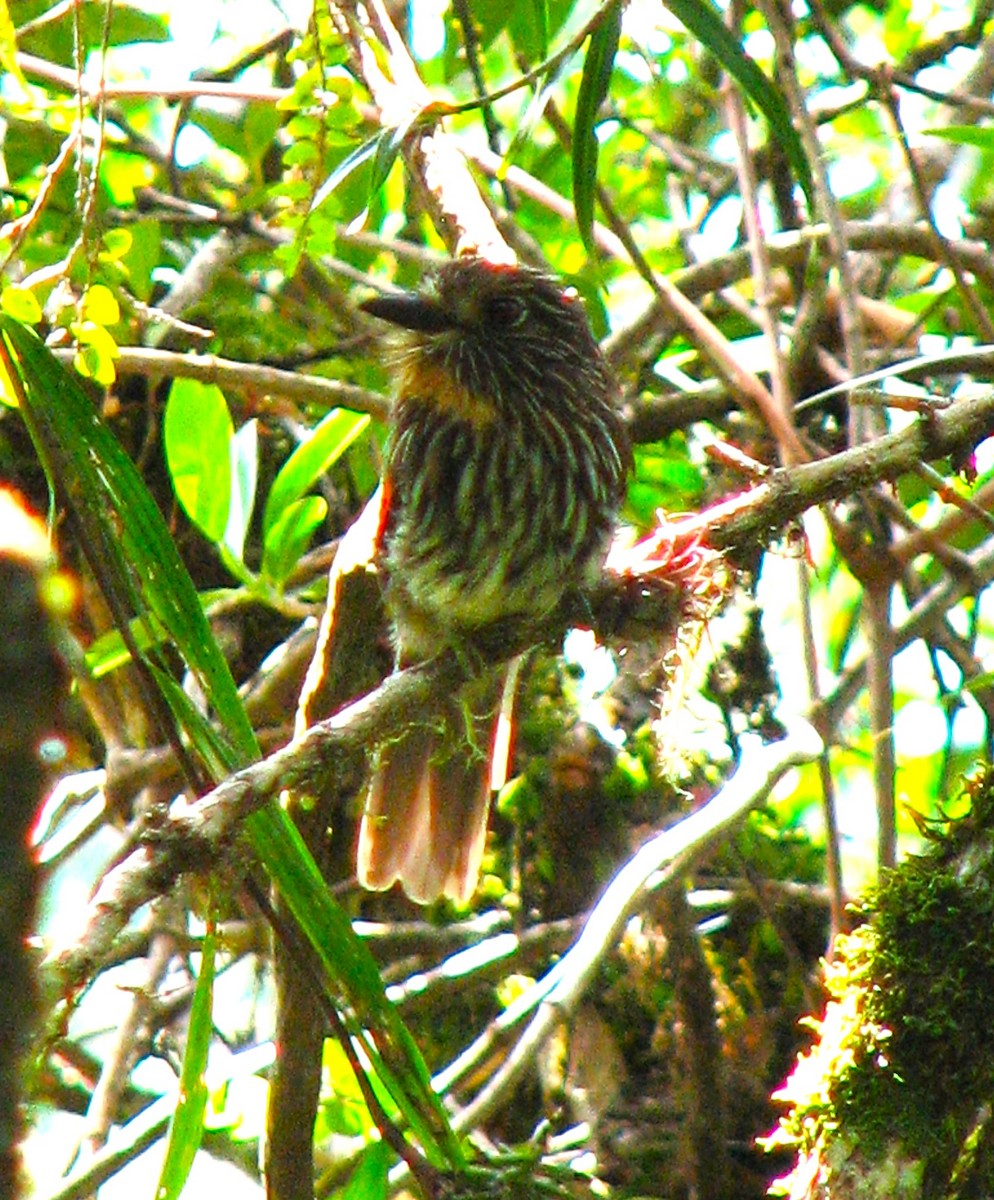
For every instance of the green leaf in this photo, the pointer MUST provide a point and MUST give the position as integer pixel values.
(143, 257)
(369, 1179)
(108, 652)
(351, 163)
(966, 135)
(114, 245)
(187, 1125)
(261, 124)
(529, 27)
(197, 433)
(131, 24)
(594, 85)
(54, 39)
(352, 967)
(529, 118)
(311, 459)
(20, 303)
(382, 148)
(290, 536)
(343, 1109)
(578, 17)
(704, 20)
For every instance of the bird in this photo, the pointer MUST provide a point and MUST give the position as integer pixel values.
(504, 473)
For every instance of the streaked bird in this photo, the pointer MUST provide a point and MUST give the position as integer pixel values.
(505, 469)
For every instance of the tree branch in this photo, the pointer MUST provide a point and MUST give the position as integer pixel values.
(200, 837)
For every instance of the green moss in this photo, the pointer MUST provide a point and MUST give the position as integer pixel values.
(904, 1060)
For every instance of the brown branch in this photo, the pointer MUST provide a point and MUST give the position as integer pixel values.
(202, 836)
(247, 378)
(699, 1050)
(437, 167)
(662, 861)
(791, 249)
(169, 90)
(786, 494)
(925, 613)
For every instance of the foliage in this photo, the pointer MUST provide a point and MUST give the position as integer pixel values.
(188, 225)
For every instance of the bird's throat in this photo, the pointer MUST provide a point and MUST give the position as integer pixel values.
(430, 384)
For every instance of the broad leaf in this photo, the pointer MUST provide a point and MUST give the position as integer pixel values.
(197, 433)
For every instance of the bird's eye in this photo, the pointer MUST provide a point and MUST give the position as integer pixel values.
(506, 311)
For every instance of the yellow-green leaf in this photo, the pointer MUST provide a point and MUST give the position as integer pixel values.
(22, 304)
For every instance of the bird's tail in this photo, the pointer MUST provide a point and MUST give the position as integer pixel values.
(424, 822)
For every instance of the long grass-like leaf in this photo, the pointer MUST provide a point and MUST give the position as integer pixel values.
(187, 1126)
(352, 968)
(704, 21)
(594, 85)
(111, 501)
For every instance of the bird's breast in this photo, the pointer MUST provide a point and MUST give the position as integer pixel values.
(490, 522)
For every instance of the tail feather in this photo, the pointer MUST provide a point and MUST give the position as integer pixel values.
(396, 817)
(459, 797)
(425, 817)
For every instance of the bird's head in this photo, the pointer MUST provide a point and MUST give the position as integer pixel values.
(484, 340)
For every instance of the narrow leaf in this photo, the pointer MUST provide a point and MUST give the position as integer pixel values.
(187, 1125)
(244, 454)
(290, 537)
(386, 155)
(369, 1179)
(529, 119)
(112, 502)
(352, 967)
(594, 85)
(382, 148)
(540, 23)
(965, 135)
(350, 164)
